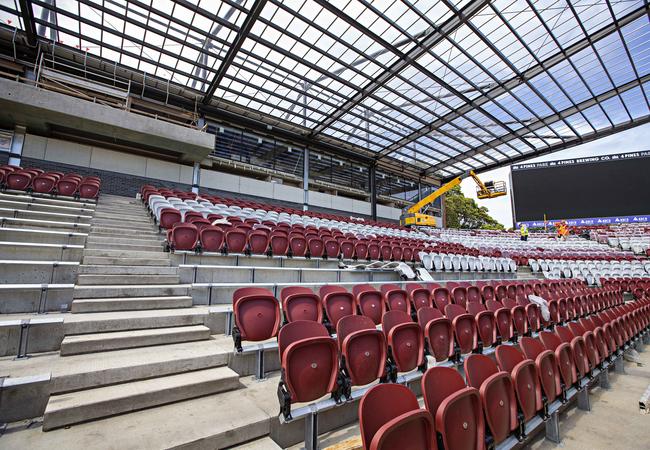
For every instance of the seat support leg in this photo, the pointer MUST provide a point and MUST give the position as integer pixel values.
(553, 428)
(619, 366)
(311, 431)
(646, 338)
(638, 345)
(259, 365)
(23, 339)
(584, 402)
(604, 379)
(228, 330)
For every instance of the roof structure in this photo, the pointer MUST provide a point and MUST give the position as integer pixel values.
(441, 86)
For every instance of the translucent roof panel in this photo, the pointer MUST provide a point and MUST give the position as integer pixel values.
(437, 85)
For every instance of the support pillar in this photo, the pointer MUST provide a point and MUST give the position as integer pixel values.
(619, 365)
(196, 177)
(604, 379)
(584, 402)
(373, 191)
(553, 427)
(305, 180)
(17, 144)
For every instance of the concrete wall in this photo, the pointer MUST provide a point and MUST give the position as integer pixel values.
(123, 174)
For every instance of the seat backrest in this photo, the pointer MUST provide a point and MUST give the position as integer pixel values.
(441, 298)
(349, 324)
(453, 311)
(393, 318)
(479, 368)
(508, 357)
(380, 405)
(298, 330)
(437, 384)
(212, 238)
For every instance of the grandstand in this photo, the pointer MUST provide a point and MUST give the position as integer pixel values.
(200, 236)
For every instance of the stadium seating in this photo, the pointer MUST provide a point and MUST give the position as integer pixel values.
(55, 183)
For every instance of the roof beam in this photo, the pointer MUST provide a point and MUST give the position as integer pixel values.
(528, 74)
(592, 136)
(28, 21)
(435, 36)
(245, 29)
(538, 124)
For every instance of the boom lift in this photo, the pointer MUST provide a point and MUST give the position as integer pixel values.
(416, 214)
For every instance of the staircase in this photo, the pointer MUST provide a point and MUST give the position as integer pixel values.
(133, 340)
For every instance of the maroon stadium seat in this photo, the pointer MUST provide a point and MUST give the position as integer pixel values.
(563, 356)
(363, 350)
(332, 248)
(578, 348)
(547, 369)
(405, 341)
(497, 395)
(298, 245)
(183, 236)
(456, 408)
(485, 323)
(301, 303)
(169, 217)
(236, 240)
(20, 180)
(212, 239)
(464, 326)
(503, 318)
(337, 303)
(390, 418)
(396, 298)
(257, 315)
(309, 362)
(279, 243)
(89, 189)
(316, 247)
(369, 301)
(44, 184)
(441, 298)
(525, 378)
(258, 242)
(438, 333)
(419, 295)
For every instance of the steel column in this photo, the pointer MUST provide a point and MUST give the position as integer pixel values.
(17, 144)
(305, 180)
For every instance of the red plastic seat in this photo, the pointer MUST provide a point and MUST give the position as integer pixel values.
(279, 243)
(563, 356)
(390, 418)
(386, 251)
(464, 327)
(363, 350)
(337, 303)
(497, 395)
(459, 296)
(474, 295)
(518, 315)
(396, 298)
(301, 303)
(441, 298)
(298, 245)
(593, 354)
(526, 381)
(316, 247)
(547, 368)
(405, 341)
(578, 348)
(258, 242)
(456, 408)
(361, 250)
(212, 239)
(257, 315)
(89, 189)
(332, 248)
(369, 301)
(236, 240)
(438, 333)
(503, 318)
(44, 184)
(347, 249)
(419, 295)
(374, 253)
(183, 236)
(485, 323)
(488, 293)
(21, 180)
(169, 217)
(309, 363)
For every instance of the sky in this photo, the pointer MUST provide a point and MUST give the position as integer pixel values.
(635, 139)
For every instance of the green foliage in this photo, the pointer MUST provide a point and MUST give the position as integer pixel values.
(463, 212)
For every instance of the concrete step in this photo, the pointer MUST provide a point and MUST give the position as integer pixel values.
(136, 290)
(127, 227)
(127, 270)
(140, 216)
(138, 234)
(156, 247)
(125, 253)
(154, 239)
(133, 320)
(98, 279)
(92, 305)
(118, 340)
(161, 261)
(91, 370)
(76, 407)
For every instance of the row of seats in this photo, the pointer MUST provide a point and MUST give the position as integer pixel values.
(56, 183)
(496, 398)
(197, 234)
(465, 263)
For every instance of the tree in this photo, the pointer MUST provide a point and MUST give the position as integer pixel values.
(463, 212)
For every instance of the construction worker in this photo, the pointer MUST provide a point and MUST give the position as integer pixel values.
(523, 231)
(562, 230)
